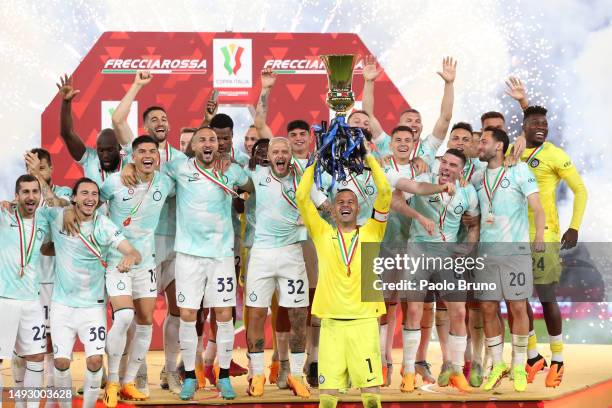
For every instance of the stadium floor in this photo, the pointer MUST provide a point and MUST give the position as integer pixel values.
(588, 370)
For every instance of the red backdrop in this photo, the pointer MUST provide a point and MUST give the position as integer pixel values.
(186, 67)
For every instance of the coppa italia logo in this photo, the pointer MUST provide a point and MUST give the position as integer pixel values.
(232, 63)
(156, 66)
(232, 54)
(306, 66)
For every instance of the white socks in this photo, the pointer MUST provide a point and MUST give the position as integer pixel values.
(457, 346)
(115, 341)
(495, 346)
(171, 341)
(442, 329)
(225, 343)
(34, 377)
(91, 388)
(519, 348)
(411, 344)
(257, 362)
(140, 346)
(188, 336)
(296, 361)
(62, 379)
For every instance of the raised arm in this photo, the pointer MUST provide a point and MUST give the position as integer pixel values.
(73, 142)
(310, 216)
(33, 165)
(448, 73)
(383, 198)
(420, 188)
(399, 205)
(268, 78)
(120, 115)
(370, 72)
(516, 90)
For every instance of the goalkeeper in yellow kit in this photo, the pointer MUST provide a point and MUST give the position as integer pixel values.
(349, 343)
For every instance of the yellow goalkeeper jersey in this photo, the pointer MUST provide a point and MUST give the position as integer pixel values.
(338, 293)
(550, 164)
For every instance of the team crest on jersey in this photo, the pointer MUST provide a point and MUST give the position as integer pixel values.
(458, 209)
(131, 191)
(194, 177)
(369, 190)
(225, 179)
(180, 297)
(121, 285)
(157, 195)
(253, 297)
(268, 180)
(505, 183)
(534, 163)
(344, 183)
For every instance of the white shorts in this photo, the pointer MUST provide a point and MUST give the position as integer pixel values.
(89, 323)
(511, 276)
(165, 261)
(213, 279)
(23, 328)
(46, 290)
(137, 283)
(281, 269)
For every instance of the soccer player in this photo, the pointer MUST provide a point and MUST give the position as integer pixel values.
(424, 148)
(97, 163)
(185, 138)
(22, 233)
(250, 137)
(135, 210)
(397, 234)
(156, 124)
(447, 211)
(503, 195)
(205, 253)
(278, 237)
(550, 165)
(349, 342)
(223, 126)
(78, 305)
(38, 163)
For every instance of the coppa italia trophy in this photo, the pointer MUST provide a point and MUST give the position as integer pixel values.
(340, 148)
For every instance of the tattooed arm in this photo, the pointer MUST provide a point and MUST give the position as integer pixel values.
(268, 77)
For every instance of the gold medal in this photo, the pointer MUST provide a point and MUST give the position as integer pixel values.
(490, 218)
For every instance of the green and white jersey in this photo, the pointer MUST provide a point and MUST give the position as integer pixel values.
(249, 231)
(91, 164)
(167, 218)
(240, 157)
(79, 269)
(444, 210)
(426, 149)
(398, 226)
(505, 219)
(136, 211)
(472, 170)
(204, 221)
(382, 146)
(20, 242)
(362, 185)
(276, 209)
(47, 263)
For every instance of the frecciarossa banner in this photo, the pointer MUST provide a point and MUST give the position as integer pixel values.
(187, 66)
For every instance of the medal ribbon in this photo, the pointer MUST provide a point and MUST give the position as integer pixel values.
(491, 192)
(469, 171)
(347, 254)
(442, 215)
(286, 196)
(92, 244)
(358, 185)
(212, 176)
(533, 154)
(25, 249)
(296, 164)
(396, 167)
(135, 209)
(415, 151)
